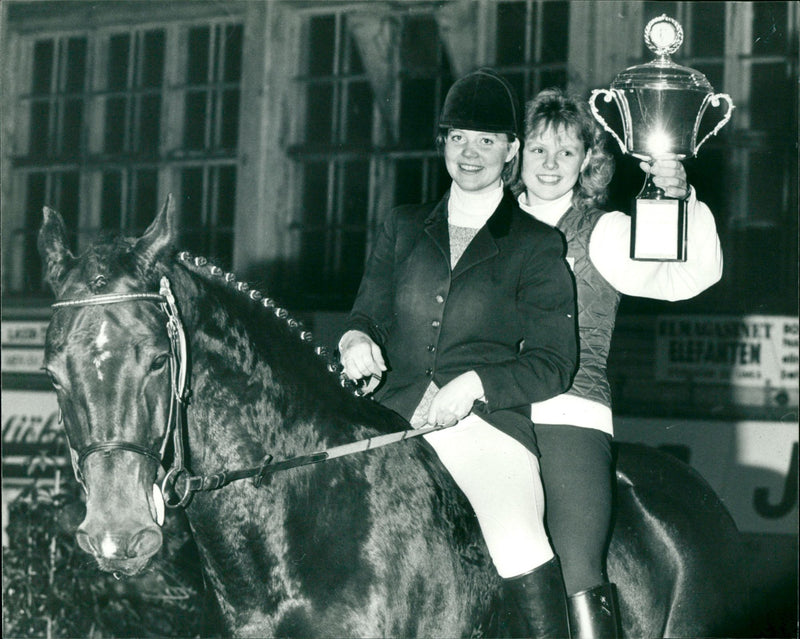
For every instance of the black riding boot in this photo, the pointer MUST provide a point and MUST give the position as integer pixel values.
(540, 597)
(594, 614)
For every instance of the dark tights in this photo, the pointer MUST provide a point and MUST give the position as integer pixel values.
(577, 473)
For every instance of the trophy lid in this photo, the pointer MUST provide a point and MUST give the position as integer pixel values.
(663, 36)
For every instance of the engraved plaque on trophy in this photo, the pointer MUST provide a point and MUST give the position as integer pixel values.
(661, 105)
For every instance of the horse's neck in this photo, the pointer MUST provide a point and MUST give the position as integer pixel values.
(259, 388)
(239, 407)
(239, 412)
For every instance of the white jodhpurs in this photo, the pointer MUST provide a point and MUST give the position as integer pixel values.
(501, 479)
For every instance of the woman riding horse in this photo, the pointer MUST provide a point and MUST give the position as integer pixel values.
(450, 292)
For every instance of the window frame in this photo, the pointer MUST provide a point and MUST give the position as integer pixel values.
(382, 152)
(167, 160)
(531, 66)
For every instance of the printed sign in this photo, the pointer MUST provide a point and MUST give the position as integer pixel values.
(34, 444)
(22, 360)
(752, 350)
(22, 343)
(23, 333)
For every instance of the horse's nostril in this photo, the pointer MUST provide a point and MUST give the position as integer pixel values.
(145, 543)
(84, 541)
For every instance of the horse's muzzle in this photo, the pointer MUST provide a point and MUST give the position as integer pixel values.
(121, 552)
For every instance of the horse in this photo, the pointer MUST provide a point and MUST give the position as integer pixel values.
(168, 369)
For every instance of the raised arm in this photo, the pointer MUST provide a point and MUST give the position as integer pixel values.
(610, 245)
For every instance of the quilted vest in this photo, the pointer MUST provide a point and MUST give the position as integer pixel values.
(597, 307)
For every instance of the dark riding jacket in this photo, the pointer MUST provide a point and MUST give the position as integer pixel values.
(511, 287)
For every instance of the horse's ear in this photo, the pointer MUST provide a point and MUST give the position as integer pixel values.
(54, 249)
(161, 236)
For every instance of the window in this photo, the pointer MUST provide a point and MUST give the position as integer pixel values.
(131, 102)
(764, 231)
(352, 159)
(114, 118)
(208, 167)
(112, 107)
(355, 157)
(334, 162)
(55, 110)
(424, 77)
(532, 40)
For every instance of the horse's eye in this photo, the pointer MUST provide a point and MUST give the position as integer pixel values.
(53, 379)
(159, 362)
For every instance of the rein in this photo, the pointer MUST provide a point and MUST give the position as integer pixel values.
(214, 481)
(177, 417)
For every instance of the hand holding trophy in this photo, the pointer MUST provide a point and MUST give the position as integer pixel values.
(661, 105)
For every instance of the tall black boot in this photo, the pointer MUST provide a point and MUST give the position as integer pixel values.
(594, 613)
(541, 600)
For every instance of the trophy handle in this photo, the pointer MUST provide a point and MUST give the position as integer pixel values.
(608, 97)
(714, 100)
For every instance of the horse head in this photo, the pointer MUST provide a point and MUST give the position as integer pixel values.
(109, 358)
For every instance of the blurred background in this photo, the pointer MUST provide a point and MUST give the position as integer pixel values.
(288, 129)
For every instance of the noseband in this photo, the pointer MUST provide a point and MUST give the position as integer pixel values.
(178, 382)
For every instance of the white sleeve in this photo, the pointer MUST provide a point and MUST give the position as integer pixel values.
(609, 250)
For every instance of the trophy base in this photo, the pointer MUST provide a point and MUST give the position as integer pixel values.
(658, 230)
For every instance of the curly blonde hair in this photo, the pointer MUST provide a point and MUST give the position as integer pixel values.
(553, 108)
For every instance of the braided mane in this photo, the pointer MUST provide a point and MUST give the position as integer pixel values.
(212, 273)
(312, 373)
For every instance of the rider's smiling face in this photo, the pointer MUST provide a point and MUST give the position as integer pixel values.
(552, 162)
(475, 159)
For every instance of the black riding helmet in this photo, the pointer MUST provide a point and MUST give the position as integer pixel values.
(481, 101)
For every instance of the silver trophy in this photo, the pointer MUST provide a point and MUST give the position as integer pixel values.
(661, 105)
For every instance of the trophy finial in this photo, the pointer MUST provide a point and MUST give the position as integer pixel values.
(663, 35)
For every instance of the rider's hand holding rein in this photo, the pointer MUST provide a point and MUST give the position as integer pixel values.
(668, 175)
(454, 401)
(361, 358)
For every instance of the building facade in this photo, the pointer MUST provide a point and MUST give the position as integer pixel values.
(287, 129)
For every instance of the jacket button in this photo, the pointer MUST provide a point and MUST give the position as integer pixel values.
(428, 372)
(439, 299)
(431, 348)
(436, 323)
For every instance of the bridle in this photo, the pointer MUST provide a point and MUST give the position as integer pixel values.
(179, 391)
(177, 417)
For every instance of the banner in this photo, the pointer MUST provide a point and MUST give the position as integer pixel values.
(752, 350)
